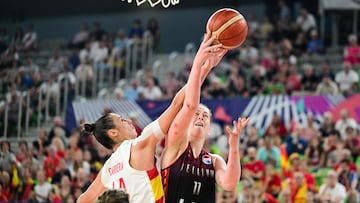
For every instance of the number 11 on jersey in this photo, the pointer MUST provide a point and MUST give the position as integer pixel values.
(197, 188)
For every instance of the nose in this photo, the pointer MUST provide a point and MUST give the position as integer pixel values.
(128, 121)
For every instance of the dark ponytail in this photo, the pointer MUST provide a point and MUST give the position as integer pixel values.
(89, 127)
(99, 130)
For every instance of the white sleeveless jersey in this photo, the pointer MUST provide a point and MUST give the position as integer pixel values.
(142, 186)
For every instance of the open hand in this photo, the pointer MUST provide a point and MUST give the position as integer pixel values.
(206, 51)
(238, 126)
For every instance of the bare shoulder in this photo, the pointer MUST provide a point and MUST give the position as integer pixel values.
(217, 160)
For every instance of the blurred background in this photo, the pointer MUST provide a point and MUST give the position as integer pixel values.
(296, 76)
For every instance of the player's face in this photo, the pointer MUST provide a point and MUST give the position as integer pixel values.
(202, 119)
(124, 126)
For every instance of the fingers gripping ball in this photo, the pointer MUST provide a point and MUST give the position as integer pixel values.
(229, 27)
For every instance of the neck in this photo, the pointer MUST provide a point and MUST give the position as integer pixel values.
(196, 146)
(116, 146)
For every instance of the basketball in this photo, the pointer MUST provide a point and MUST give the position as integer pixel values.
(229, 27)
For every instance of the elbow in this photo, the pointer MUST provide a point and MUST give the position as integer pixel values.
(192, 106)
(177, 102)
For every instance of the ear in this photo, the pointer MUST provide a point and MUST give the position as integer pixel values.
(112, 132)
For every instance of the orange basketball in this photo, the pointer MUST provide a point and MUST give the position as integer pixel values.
(229, 27)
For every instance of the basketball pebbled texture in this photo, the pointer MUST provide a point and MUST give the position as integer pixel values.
(229, 26)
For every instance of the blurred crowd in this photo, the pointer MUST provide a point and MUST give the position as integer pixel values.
(280, 164)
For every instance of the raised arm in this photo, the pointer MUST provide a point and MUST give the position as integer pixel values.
(169, 114)
(207, 56)
(228, 175)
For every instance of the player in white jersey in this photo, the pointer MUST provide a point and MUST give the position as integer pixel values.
(132, 166)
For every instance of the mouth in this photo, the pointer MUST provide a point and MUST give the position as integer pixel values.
(199, 124)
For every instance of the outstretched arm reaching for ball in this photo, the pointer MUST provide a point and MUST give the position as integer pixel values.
(228, 175)
(207, 56)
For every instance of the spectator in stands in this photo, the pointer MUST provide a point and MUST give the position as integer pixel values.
(328, 125)
(284, 11)
(7, 190)
(315, 46)
(285, 195)
(279, 124)
(257, 82)
(42, 187)
(55, 63)
(272, 132)
(342, 154)
(7, 157)
(31, 163)
(332, 145)
(352, 51)
(136, 29)
(293, 80)
(79, 39)
(248, 53)
(253, 167)
(271, 181)
(51, 162)
(30, 66)
(298, 188)
(300, 44)
(253, 25)
(121, 42)
(149, 75)
(54, 195)
(315, 154)
(295, 163)
(74, 59)
(78, 162)
(352, 142)
(295, 143)
(309, 131)
(171, 85)
(306, 21)
(252, 137)
(327, 86)
(265, 28)
(154, 29)
(23, 151)
(61, 170)
(347, 79)
(326, 70)
(29, 41)
(85, 52)
(217, 89)
(269, 153)
(82, 179)
(309, 80)
(332, 190)
(151, 91)
(99, 54)
(133, 90)
(347, 177)
(66, 190)
(25, 190)
(84, 75)
(345, 121)
(97, 31)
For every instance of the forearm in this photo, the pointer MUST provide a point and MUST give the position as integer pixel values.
(168, 116)
(233, 169)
